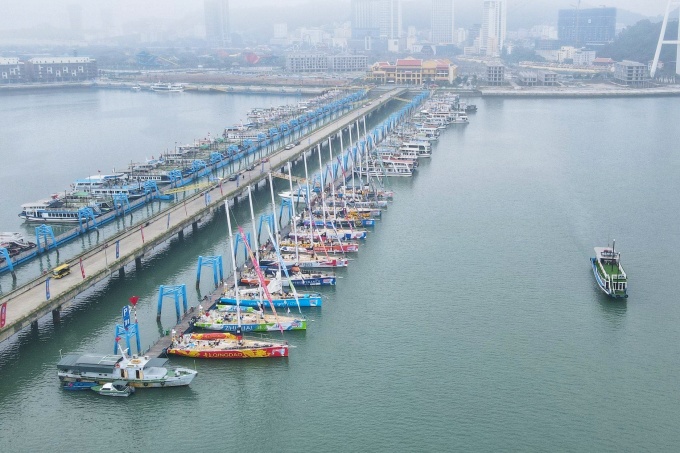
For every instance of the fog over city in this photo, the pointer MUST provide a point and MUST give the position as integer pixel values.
(121, 15)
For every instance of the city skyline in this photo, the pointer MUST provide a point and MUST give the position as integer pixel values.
(30, 14)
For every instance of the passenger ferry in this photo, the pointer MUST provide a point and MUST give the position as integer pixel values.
(609, 274)
(56, 210)
(160, 87)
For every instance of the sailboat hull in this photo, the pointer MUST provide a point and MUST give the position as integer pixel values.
(249, 353)
(305, 301)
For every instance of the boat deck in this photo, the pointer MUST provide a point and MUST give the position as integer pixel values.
(611, 268)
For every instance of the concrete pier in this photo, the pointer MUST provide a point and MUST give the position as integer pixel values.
(28, 303)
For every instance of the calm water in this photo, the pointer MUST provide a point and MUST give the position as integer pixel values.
(469, 320)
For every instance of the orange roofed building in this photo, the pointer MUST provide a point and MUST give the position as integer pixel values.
(413, 71)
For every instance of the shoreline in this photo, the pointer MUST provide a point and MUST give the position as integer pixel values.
(587, 91)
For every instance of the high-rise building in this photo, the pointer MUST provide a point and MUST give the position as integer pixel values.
(217, 31)
(441, 22)
(492, 34)
(584, 27)
(379, 18)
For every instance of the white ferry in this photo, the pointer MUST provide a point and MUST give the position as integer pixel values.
(160, 87)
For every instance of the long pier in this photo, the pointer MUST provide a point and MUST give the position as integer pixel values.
(24, 306)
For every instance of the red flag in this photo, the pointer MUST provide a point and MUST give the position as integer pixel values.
(82, 269)
(3, 314)
(133, 300)
(141, 229)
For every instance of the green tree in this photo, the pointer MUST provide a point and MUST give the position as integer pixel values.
(638, 43)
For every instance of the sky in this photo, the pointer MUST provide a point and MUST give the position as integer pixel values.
(22, 14)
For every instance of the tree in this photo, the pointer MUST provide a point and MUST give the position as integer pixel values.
(638, 43)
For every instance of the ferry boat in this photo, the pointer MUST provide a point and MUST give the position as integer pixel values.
(609, 274)
(56, 210)
(137, 371)
(226, 346)
(160, 87)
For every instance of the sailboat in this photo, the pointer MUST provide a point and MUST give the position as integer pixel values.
(251, 319)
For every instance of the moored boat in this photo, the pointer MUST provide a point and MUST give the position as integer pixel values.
(137, 371)
(226, 346)
(114, 389)
(227, 320)
(78, 385)
(609, 274)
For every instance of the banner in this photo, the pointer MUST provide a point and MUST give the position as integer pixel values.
(47, 288)
(3, 314)
(141, 230)
(168, 226)
(117, 249)
(82, 269)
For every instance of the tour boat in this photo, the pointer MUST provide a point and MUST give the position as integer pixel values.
(226, 346)
(226, 320)
(138, 371)
(609, 274)
(56, 210)
(160, 87)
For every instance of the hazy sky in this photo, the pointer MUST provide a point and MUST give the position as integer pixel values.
(31, 13)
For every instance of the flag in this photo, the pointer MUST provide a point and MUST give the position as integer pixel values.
(82, 269)
(141, 230)
(47, 288)
(3, 314)
(117, 249)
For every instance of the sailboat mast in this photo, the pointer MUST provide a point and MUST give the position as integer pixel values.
(256, 240)
(293, 220)
(323, 188)
(233, 265)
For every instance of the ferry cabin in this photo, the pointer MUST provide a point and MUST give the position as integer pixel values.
(415, 146)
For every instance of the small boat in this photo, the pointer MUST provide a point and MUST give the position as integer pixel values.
(78, 385)
(226, 346)
(609, 274)
(114, 389)
(299, 196)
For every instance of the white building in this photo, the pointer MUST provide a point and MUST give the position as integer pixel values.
(492, 35)
(443, 31)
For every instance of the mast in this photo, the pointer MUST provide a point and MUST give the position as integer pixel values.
(256, 240)
(236, 276)
(309, 202)
(323, 189)
(293, 220)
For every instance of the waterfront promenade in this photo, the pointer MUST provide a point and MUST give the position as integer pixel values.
(25, 305)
